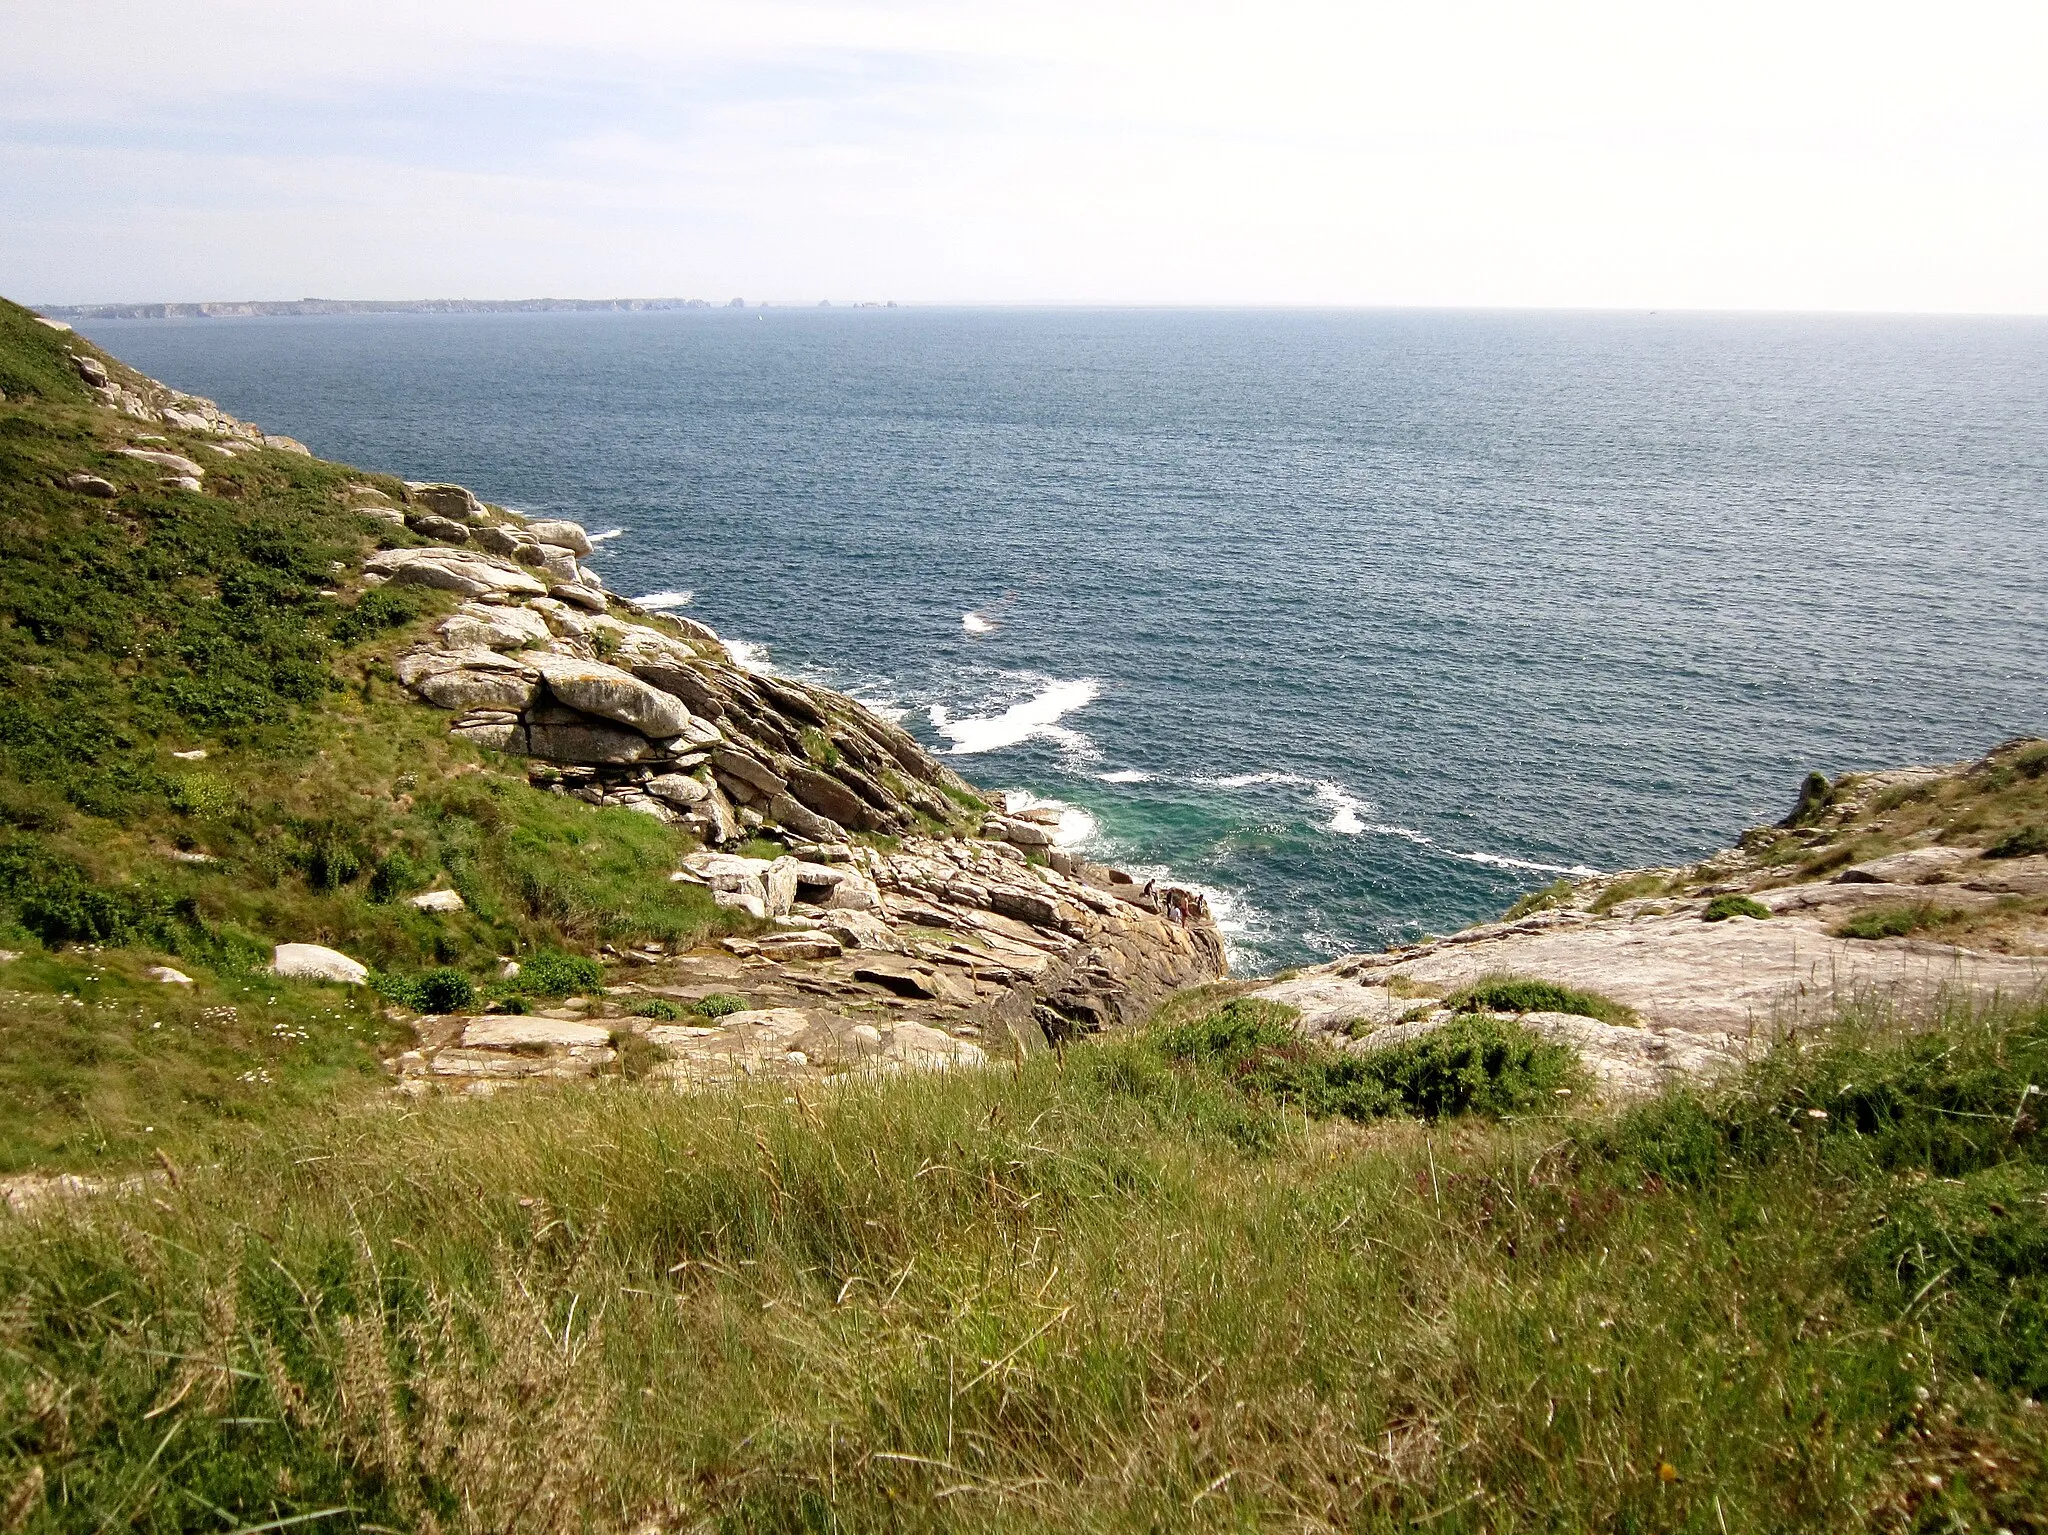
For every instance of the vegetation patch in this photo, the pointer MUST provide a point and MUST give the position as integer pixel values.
(1525, 994)
(1722, 907)
(635, 1055)
(2024, 843)
(659, 1008)
(1632, 887)
(1898, 921)
(441, 990)
(719, 1004)
(1553, 895)
(1470, 1065)
(553, 973)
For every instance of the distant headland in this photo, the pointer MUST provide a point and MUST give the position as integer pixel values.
(243, 309)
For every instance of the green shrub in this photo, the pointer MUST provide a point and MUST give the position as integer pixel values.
(2023, 843)
(1895, 921)
(1815, 795)
(1722, 907)
(720, 1003)
(377, 610)
(1523, 994)
(1631, 888)
(397, 874)
(431, 991)
(551, 973)
(56, 899)
(658, 1007)
(1476, 1065)
(1471, 1065)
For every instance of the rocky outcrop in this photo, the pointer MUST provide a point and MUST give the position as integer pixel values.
(965, 931)
(119, 387)
(1711, 985)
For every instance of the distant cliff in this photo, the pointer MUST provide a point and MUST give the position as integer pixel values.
(241, 309)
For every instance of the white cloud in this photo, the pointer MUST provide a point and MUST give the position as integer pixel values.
(1832, 156)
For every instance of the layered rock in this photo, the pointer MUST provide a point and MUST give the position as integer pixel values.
(964, 920)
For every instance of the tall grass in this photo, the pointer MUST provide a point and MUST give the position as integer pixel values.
(1071, 1294)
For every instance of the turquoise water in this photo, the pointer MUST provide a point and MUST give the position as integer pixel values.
(1368, 621)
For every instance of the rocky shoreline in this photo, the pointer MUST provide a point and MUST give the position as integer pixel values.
(910, 921)
(1719, 959)
(893, 915)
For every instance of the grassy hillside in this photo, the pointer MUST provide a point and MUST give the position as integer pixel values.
(160, 621)
(1139, 1288)
(1212, 1275)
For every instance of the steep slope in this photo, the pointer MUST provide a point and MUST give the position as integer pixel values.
(253, 698)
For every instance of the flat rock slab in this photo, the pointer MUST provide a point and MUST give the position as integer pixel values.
(1719, 983)
(514, 1033)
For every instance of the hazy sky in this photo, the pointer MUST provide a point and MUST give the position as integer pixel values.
(1845, 156)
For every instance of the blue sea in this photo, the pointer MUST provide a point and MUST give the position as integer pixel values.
(1366, 621)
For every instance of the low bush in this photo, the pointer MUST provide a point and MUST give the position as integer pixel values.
(441, 990)
(1524, 994)
(1470, 1065)
(658, 1007)
(2023, 843)
(1722, 907)
(720, 1003)
(635, 1055)
(1816, 794)
(552, 973)
(1895, 921)
(1633, 887)
(1476, 1065)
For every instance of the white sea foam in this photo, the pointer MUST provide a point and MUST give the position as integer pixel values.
(607, 535)
(1344, 808)
(939, 715)
(974, 623)
(1348, 818)
(1077, 827)
(750, 654)
(885, 708)
(663, 601)
(1252, 780)
(1407, 833)
(1126, 775)
(1500, 861)
(1037, 718)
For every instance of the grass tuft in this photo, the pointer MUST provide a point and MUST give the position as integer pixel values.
(1722, 907)
(1896, 921)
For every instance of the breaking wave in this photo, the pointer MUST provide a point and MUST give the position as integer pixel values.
(662, 602)
(1037, 718)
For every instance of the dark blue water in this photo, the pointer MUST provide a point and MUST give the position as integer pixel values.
(1369, 620)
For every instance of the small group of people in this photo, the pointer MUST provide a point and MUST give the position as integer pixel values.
(1181, 906)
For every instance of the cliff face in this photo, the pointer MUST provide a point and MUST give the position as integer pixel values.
(385, 682)
(1883, 892)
